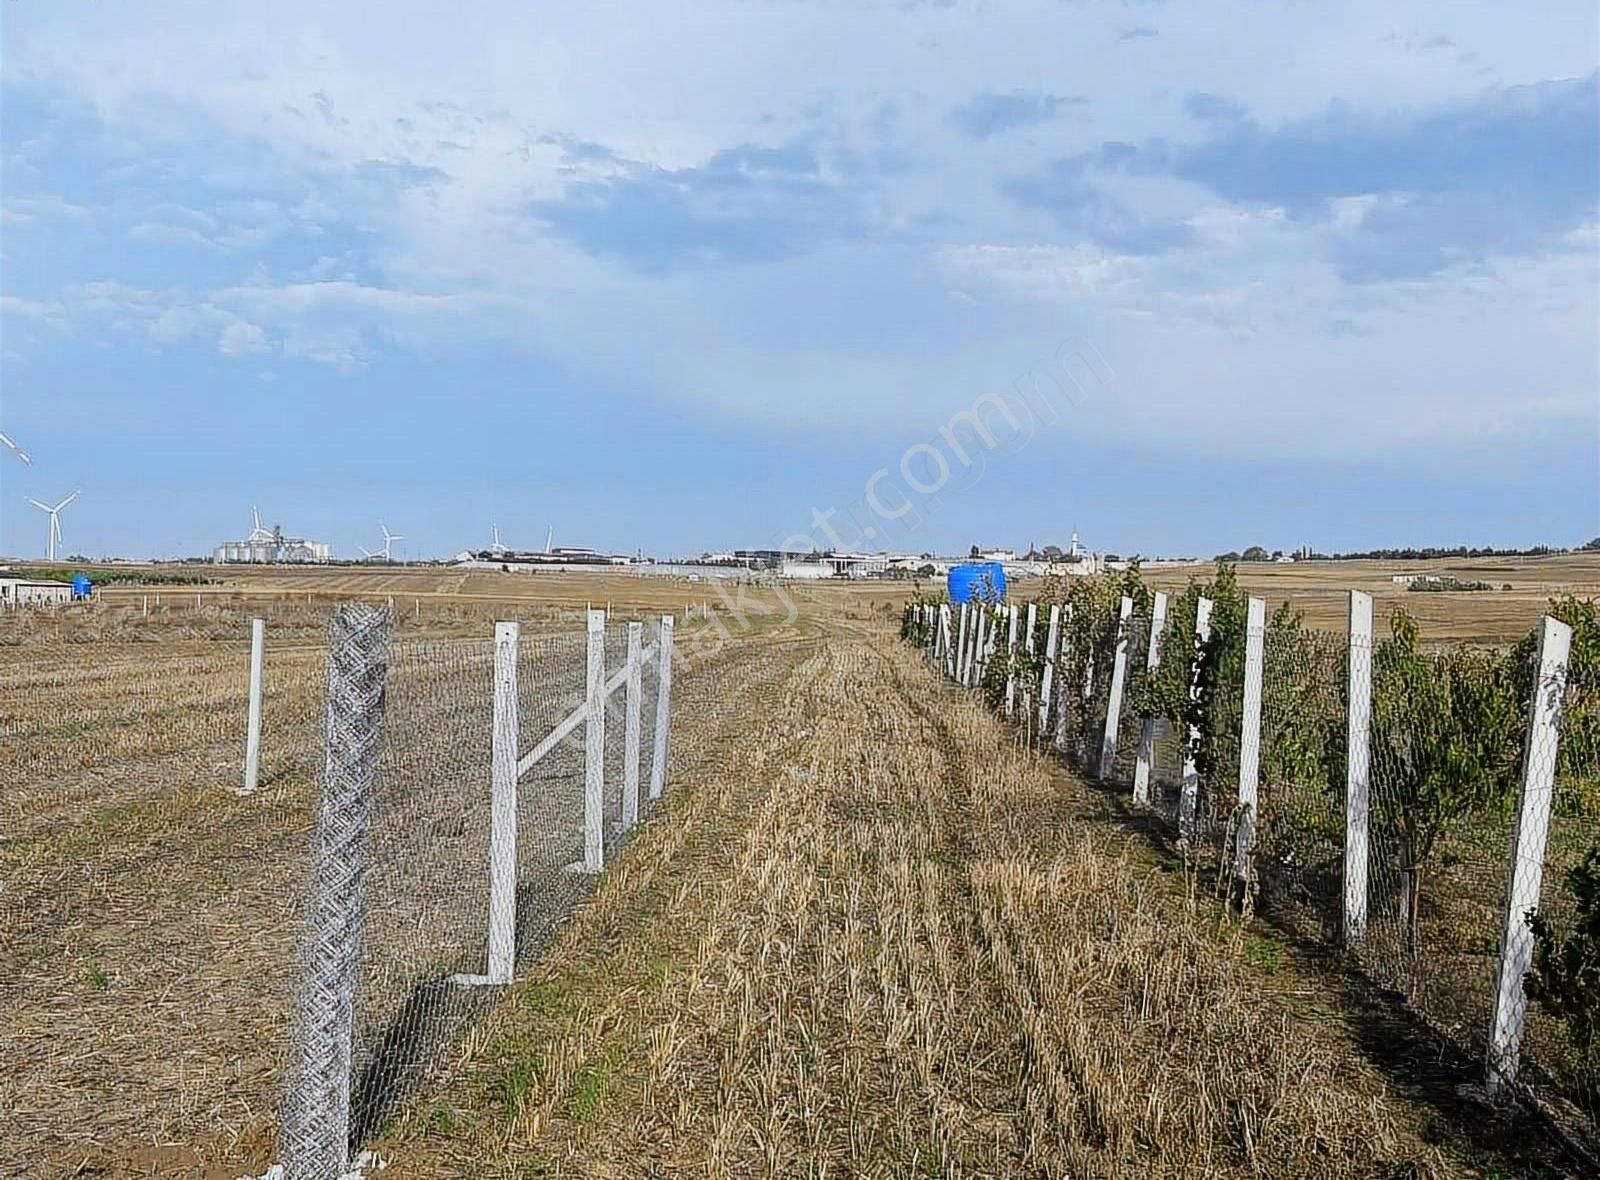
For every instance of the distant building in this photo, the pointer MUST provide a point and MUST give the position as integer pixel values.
(15, 592)
(270, 546)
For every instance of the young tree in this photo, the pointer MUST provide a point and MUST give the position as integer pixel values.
(1445, 744)
(1565, 980)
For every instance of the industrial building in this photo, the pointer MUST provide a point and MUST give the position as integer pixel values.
(270, 546)
(16, 592)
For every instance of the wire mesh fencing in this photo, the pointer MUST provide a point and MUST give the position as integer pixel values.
(508, 773)
(150, 900)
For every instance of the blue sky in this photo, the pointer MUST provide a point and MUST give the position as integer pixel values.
(676, 278)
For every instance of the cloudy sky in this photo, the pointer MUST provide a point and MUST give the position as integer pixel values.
(677, 275)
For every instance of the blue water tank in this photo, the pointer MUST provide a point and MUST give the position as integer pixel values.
(82, 587)
(978, 581)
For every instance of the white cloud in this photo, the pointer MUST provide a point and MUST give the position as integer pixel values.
(241, 338)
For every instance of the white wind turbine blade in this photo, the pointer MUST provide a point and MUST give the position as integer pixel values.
(65, 502)
(9, 442)
(36, 504)
(365, 552)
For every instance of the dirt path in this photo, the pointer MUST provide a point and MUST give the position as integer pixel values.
(874, 937)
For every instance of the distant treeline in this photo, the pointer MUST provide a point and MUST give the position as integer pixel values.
(105, 578)
(1428, 552)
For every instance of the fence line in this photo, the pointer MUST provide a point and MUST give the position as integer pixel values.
(1288, 714)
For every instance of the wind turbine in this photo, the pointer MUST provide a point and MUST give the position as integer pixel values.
(389, 539)
(11, 445)
(497, 547)
(53, 535)
(258, 533)
(549, 538)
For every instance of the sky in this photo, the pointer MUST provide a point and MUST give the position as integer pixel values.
(688, 277)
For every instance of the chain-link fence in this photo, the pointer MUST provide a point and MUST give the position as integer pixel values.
(1406, 803)
(150, 964)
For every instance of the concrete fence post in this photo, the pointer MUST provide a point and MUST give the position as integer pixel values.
(974, 646)
(1011, 663)
(1358, 736)
(1527, 856)
(314, 1124)
(503, 807)
(658, 759)
(1147, 726)
(1064, 655)
(1119, 676)
(1255, 650)
(594, 747)
(1047, 674)
(631, 731)
(1189, 797)
(1029, 645)
(252, 736)
(961, 647)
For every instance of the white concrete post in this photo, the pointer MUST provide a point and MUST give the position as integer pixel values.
(503, 807)
(944, 635)
(1189, 799)
(1527, 857)
(252, 737)
(1049, 671)
(1119, 676)
(1147, 728)
(975, 660)
(1358, 733)
(663, 733)
(986, 629)
(1064, 693)
(1028, 645)
(961, 647)
(147, 606)
(1255, 650)
(1011, 651)
(594, 748)
(631, 735)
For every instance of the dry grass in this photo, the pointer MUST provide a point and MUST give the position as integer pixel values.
(146, 910)
(868, 936)
(887, 942)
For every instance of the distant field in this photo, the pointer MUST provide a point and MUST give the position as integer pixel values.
(1317, 589)
(430, 585)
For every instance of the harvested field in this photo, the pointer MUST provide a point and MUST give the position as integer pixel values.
(148, 916)
(868, 934)
(887, 941)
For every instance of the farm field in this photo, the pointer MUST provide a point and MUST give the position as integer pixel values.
(1317, 589)
(869, 934)
(429, 585)
(147, 919)
(889, 942)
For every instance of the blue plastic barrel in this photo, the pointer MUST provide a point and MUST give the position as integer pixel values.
(978, 581)
(82, 587)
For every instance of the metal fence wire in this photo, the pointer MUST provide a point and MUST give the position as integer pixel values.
(454, 889)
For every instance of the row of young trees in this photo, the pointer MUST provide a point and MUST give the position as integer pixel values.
(1446, 741)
